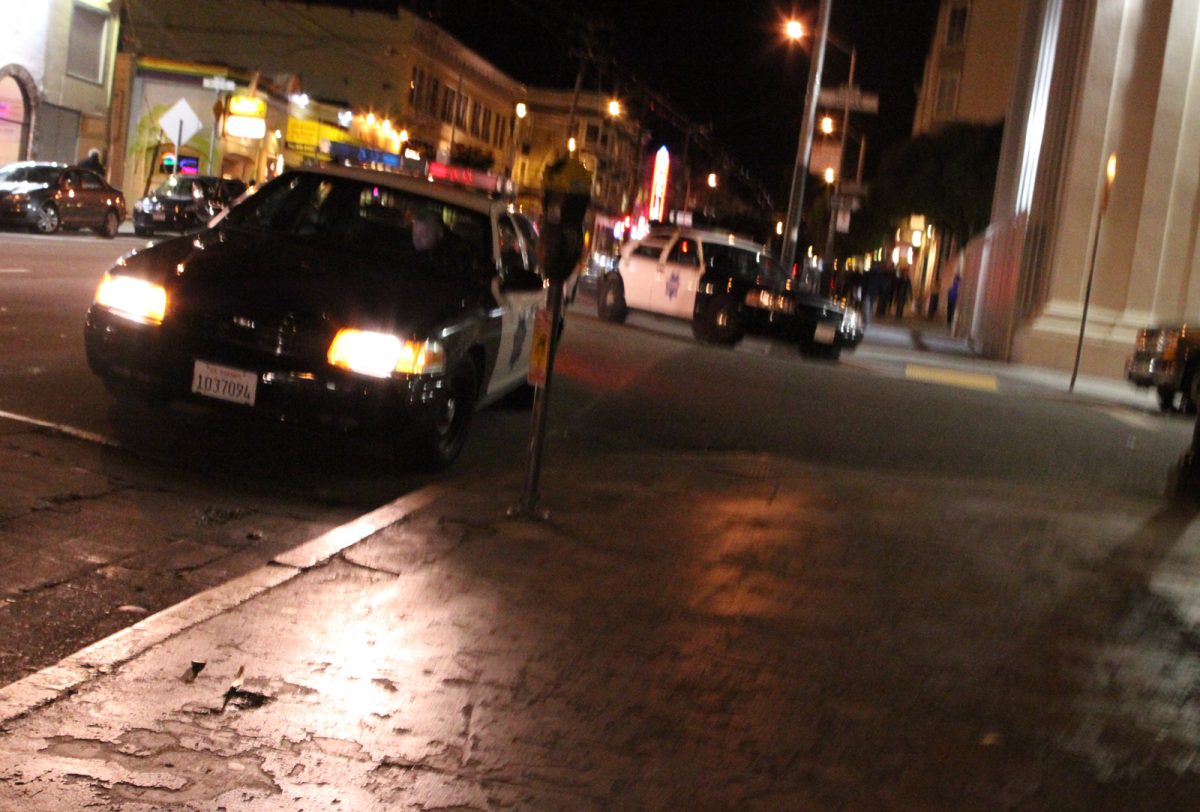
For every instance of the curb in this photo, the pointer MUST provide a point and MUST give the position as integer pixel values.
(104, 656)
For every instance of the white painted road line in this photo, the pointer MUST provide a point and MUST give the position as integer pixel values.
(14, 270)
(79, 434)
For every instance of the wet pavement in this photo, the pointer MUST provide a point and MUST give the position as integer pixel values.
(686, 631)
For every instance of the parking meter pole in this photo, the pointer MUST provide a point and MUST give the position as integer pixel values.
(541, 405)
(566, 194)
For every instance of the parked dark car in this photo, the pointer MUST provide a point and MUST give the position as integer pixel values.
(1167, 358)
(184, 203)
(45, 197)
(311, 301)
(727, 287)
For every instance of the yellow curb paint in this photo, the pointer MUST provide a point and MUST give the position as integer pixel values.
(950, 377)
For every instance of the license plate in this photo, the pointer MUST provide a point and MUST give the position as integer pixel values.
(224, 383)
(158, 215)
(825, 334)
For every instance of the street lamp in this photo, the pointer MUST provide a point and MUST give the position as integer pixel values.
(804, 148)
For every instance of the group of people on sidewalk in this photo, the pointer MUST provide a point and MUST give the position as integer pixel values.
(885, 289)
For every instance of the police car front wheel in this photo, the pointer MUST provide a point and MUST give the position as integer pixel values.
(447, 435)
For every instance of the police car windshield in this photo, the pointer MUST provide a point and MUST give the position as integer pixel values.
(351, 213)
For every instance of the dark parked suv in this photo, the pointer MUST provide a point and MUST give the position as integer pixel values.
(1167, 358)
(45, 197)
(184, 202)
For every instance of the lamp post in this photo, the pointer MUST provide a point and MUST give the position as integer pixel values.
(521, 111)
(1110, 173)
(791, 232)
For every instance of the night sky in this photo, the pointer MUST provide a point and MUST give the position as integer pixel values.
(720, 63)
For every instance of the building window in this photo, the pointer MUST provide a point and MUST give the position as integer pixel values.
(947, 96)
(85, 50)
(416, 88)
(431, 98)
(448, 105)
(956, 26)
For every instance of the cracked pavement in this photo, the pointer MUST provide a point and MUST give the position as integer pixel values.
(690, 631)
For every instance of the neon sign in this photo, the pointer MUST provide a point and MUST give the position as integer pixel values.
(658, 188)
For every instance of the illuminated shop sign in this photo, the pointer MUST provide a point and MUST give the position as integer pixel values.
(247, 117)
(658, 188)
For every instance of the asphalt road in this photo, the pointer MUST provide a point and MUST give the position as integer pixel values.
(109, 513)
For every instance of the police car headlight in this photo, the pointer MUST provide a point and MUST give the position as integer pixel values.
(132, 298)
(380, 355)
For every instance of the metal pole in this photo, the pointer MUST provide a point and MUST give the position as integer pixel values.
(541, 400)
(1110, 175)
(1087, 297)
(791, 231)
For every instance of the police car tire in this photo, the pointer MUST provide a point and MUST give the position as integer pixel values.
(446, 437)
(719, 322)
(610, 299)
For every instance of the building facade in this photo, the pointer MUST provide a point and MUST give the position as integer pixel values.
(56, 72)
(409, 88)
(968, 78)
(1095, 79)
(969, 71)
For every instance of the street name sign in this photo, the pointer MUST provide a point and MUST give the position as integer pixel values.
(860, 101)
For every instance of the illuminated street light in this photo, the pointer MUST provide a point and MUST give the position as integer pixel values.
(522, 110)
(794, 29)
(712, 180)
(830, 175)
(827, 125)
(614, 108)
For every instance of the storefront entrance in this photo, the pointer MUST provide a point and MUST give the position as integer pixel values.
(14, 121)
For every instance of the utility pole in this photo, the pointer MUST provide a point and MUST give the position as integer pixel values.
(791, 231)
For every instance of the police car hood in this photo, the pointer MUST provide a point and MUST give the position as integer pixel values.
(254, 274)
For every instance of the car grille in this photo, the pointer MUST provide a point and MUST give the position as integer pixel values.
(282, 336)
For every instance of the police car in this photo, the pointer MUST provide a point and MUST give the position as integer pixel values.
(309, 300)
(726, 286)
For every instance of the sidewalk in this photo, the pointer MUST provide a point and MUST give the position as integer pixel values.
(694, 631)
(890, 346)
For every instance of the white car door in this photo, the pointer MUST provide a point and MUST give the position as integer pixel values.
(523, 295)
(677, 278)
(638, 270)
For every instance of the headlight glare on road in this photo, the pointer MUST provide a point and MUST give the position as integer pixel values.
(132, 298)
(382, 354)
